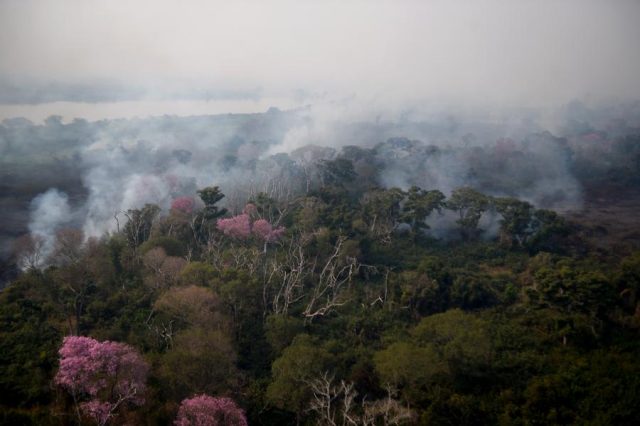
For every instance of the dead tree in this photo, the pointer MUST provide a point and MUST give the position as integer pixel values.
(68, 247)
(333, 404)
(286, 279)
(246, 259)
(386, 412)
(336, 273)
(29, 251)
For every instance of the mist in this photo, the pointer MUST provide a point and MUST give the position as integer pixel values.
(490, 52)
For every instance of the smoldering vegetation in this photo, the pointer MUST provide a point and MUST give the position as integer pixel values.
(86, 174)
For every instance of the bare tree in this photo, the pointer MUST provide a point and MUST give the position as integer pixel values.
(29, 251)
(162, 329)
(386, 412)
(212, 246)
(288, 277)
(69, 246)
(247, 259)
(379, 297)
(335, 274)
(335, 404)
(139, 224)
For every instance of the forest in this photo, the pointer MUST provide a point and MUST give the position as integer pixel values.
(360, 285)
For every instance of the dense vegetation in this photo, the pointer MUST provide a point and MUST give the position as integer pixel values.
(336, 307)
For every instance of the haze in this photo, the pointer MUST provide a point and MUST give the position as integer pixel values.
(487, 53)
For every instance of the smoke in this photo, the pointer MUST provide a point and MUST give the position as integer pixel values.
(504, 152)
(442, 225)
(49, 212)
(158, 160)
(131, 163)
(111, 166)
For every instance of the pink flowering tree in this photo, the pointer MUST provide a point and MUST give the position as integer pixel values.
(241, 227)
(204, 410)
(236, 226)
(101, 376)
(183, 204)
(266, 232)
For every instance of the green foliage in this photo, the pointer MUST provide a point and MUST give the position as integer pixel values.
(419, 205)
(198, 273)
(337, 172)
(460, 339)
(301, 362)
(210, 196)
(200, 361)
(532, 328)
(551, 230)
(281, 330)
(171, 246)
(451, 348)
(469, 204)
(516, 220)
(405, 365)
(138, 227)
(381, 209)
(28, 343)
(598, 389)
(628, 277)
(571, 286)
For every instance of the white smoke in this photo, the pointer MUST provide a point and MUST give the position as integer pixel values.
(49, 212)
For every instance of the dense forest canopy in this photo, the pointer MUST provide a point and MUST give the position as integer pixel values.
(90, 173)
(456, 280)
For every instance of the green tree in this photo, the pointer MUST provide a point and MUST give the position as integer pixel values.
(281, 330)
(338, 172)
(409, 367)
(516, 223)
(210, 196)
(419, 205)
(28, 343)
(139, 224)
(580, 292)
(470, 205)
(381, 210)
(461, 339)
(200, 361)
(301, 362)
(198, 273)
(550, 232)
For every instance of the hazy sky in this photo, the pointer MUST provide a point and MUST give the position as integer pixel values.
(507, 52)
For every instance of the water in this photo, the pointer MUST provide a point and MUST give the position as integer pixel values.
(142, 109)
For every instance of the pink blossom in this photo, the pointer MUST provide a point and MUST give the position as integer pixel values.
(265, 231)
(204, 410)
(183, 204)
(236, 226)
(104, 372)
